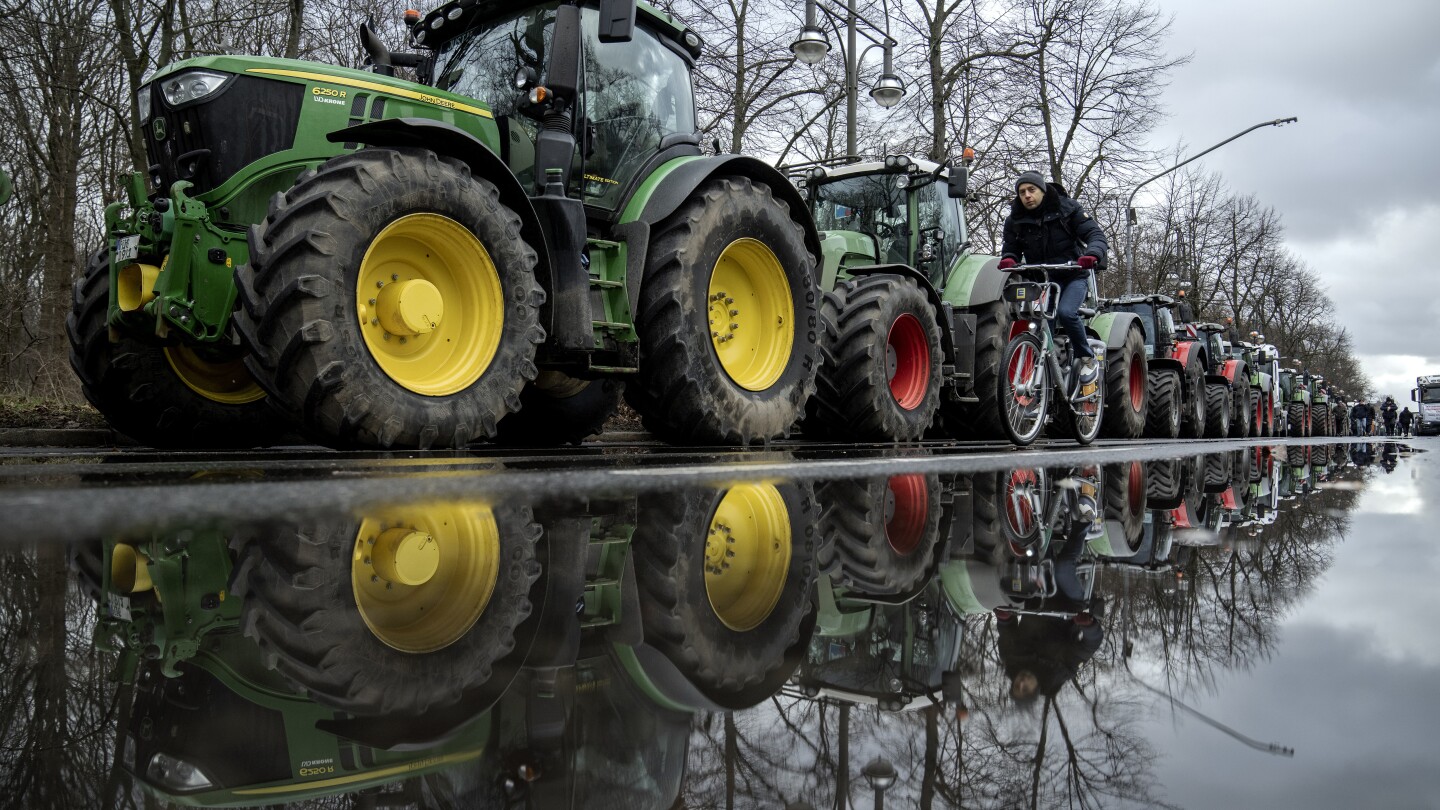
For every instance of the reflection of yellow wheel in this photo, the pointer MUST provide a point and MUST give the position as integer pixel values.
(422, 578)
(430, 305)
(747, 555)
(226, 382)
(751, 313)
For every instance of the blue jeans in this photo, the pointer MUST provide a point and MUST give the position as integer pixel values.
(1067, 314)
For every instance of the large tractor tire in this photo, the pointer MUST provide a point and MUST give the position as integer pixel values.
(1126, 384)
(984, 418)
(1217, 411)
(728, 319)
(390, 302)
(1193, 398)
(559, 409)
(819, 422)
(1164, 483)
(880, 379)
(1320, 420)
(726, 579)
(162, 396)
(1162, 404)
(883, 532)
(1243, 419)
(405, 611)
(1297, 417)
(1126, 496)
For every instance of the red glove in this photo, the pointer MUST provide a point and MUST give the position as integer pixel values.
(1006, 264)
(1086, 262)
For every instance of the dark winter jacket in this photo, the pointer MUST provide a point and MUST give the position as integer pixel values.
(1056, 232)
(1406, 417)
(1388, 410)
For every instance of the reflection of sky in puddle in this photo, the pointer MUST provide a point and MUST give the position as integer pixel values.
(1347, 682)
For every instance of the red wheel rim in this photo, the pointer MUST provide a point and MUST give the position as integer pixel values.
(909, 356)
(1022, 371)
(1137, 385)
(909, 502)
(1136, 489)
(1019, 511)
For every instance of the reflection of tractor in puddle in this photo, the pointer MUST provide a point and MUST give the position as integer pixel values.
(357, 653)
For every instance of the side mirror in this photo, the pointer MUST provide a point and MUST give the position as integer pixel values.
(617, 20)
(1414, 394)
(959, 182)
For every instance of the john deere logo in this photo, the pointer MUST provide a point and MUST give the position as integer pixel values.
(159, 128)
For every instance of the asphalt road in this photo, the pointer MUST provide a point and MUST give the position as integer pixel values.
(66, 493)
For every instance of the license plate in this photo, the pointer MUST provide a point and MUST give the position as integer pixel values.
(127, 248)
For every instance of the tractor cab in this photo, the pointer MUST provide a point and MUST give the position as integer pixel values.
(635, 98)
(1156, 315)
(895, 211)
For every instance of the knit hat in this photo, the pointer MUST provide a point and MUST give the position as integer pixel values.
(1031, 177)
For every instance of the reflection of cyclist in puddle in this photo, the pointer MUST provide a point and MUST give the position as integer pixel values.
(1042, 651)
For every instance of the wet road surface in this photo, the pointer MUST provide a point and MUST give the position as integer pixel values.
(788, 627)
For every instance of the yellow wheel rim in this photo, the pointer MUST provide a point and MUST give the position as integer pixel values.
(423, 577)
(751, 313)
(747, 555)
(228, 382)
(429, 303)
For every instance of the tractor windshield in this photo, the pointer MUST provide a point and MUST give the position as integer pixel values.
(483, 62)
(871, 204)
(637, 93)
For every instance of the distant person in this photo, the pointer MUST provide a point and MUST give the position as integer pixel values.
(1389, 457)
(1388, 412)
(1357, 419)
(1370, 419)
(1406, 419)
(1041, 653)
(1183, 312)
(1045, 226)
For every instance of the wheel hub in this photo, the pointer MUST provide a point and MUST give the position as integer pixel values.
(412, 307)
(751, 314)
(747, 555)
(406, 556)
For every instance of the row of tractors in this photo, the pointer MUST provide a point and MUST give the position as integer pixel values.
(513, 642)
(504, 247)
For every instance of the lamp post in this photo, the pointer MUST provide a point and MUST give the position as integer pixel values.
(812, 45)
(881, 775)
(1130, 202)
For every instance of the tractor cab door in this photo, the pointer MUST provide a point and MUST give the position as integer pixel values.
(939, 232)
(637, 100)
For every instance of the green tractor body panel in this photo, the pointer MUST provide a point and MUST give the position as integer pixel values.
(974, 281)
(219, 159)
(841, 250)
(955, 584)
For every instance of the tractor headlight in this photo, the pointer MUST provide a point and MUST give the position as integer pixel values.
(192, 85)
(176, 774)
(142, 100)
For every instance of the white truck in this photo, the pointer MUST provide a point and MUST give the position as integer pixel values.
(1427, 394)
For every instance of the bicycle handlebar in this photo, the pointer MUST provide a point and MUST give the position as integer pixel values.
(1046, 267)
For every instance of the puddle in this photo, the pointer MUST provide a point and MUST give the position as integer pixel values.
(1215, 630)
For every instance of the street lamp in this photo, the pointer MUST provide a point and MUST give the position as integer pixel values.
(1130, 203)
(811, 46)
(881, 775)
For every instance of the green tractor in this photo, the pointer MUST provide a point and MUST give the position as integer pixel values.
(418, 626)
(1297, 395)
(489, 251)
(913, 317)
(1175, 379)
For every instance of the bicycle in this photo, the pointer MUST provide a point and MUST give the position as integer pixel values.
(1036, 360)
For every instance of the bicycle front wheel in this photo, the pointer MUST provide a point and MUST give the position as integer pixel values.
(1024, 390)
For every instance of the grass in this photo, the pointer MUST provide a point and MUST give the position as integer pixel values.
(29, 412)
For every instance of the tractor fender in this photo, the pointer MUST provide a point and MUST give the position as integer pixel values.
(947, 337)
(451, 141)
(672, 183)
(974, 281)
(1119, 328)
(1218, 379)
(1233, 370)
(1167, 362)
(1183, 350)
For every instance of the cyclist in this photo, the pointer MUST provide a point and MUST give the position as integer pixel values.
(1046, 226)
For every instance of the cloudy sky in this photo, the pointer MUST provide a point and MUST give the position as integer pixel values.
(1357, 180)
